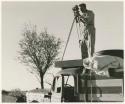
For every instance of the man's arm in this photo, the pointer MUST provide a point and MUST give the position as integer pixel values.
(87, 18)
(83, 20)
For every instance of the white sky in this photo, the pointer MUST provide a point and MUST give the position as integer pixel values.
(57, 17)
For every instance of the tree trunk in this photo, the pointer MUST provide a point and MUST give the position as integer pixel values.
(42, 82)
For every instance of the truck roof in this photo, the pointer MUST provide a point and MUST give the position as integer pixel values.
(79, 62)
(69, 71)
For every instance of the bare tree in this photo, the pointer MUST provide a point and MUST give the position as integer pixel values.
(39, 51)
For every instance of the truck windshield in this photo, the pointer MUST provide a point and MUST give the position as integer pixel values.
(57, 84)
(69, 80)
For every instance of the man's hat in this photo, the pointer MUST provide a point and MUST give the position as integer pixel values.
(82, 5)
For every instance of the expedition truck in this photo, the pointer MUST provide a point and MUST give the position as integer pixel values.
(72, 85)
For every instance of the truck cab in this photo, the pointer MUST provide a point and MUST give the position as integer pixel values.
(65, 86)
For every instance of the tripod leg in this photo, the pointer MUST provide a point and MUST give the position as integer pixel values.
(68, 37)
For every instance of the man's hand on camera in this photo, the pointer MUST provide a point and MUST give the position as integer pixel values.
(80, 42)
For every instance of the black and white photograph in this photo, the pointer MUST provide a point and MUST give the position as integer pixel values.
(62, 51)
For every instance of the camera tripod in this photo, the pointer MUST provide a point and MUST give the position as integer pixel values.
(70, 35)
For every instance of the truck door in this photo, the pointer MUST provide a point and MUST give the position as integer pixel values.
(69, 89)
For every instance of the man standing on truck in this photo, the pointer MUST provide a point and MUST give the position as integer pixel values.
(85, 20)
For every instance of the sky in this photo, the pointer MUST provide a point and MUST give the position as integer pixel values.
(57, 17)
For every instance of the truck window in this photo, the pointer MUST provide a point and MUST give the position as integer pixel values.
(69, 81)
